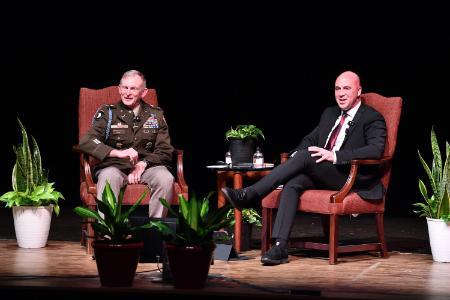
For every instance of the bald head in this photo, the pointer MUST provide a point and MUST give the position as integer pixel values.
(347, 90)
(349, 76)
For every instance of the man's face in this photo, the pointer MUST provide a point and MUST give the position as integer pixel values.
(347, 91)
(131, 90)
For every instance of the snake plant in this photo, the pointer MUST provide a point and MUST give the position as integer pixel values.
(436, 206)
(29, 180)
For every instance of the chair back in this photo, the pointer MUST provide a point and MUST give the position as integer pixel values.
(390, 108)
(90, 100)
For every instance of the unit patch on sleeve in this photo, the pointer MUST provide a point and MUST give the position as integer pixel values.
(99, 115)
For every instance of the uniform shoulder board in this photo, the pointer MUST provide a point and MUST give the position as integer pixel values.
(105, 107)
(155, 107)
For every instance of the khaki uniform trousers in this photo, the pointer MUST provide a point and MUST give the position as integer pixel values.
(158, 179)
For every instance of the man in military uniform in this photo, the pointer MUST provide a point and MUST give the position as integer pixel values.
(131, 140)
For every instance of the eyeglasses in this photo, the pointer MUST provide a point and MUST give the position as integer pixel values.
(132, 89)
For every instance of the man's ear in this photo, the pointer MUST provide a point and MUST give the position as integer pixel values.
(359, 91)
(144, 92)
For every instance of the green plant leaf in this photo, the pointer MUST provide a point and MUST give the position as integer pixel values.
(244, 131)
(183, 206)
(134, 206)
(86, 213)
(167, 205)
(428, 172)
(108, 198)
(194, 213)
(444, 208)
(437, 160)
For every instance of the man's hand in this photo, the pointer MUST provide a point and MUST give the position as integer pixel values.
(135, 176)
(322, 153)
(129, 153)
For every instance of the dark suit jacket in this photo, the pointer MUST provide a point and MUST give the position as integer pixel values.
(364, 140)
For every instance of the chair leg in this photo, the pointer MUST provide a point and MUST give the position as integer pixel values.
(380, 232)
(333, 243)
(90, 237)
(83, 233)
(266, 230)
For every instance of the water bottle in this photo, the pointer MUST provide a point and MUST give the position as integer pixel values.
(258, 159)
(228, 158)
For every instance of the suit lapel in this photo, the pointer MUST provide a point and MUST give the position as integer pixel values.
(330, 121)
(355, 121)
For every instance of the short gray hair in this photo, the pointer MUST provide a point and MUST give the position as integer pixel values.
(131, 73)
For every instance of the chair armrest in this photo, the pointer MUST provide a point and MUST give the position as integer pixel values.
(340, 195)
(86, 173)
(383, 160)
(86, 167)
(180, 173)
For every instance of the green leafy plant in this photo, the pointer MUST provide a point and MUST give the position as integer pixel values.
(114, 224)
(249, 215)
(244, 131)
(196, 223)
(29, 180)
(438, 205)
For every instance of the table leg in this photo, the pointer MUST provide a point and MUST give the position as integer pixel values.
(237, 184)
(221, 182)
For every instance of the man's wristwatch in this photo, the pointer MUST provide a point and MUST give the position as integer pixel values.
(147, 162)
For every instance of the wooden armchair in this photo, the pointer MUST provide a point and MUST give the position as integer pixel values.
(90, 100)
(331, 204)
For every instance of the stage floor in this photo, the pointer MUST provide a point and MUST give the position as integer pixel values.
(63, 269)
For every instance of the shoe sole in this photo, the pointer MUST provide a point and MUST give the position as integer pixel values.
(225, 192)
(275, 262)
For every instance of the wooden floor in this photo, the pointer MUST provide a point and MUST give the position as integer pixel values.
(64, 269)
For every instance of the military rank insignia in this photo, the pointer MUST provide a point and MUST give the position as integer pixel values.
(152, 122)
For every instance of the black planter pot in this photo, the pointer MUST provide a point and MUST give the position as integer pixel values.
(189, 265)
(242, 150)
(117, 263)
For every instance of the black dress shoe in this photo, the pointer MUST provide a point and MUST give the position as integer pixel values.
(237, 198)
(275, 256)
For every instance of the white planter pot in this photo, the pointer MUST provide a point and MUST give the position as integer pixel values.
(32, 224)
(439, 233)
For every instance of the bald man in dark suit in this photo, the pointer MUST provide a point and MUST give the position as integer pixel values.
(350, 130)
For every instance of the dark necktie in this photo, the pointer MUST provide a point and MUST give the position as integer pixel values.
(334, 134)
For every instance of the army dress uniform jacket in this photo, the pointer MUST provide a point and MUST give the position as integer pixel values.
(147, 133)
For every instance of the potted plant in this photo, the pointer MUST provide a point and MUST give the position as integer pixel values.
(250, 217)
(116, 251)
(33, 198)
(436, 208)
(190, 247)
(242, 142)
